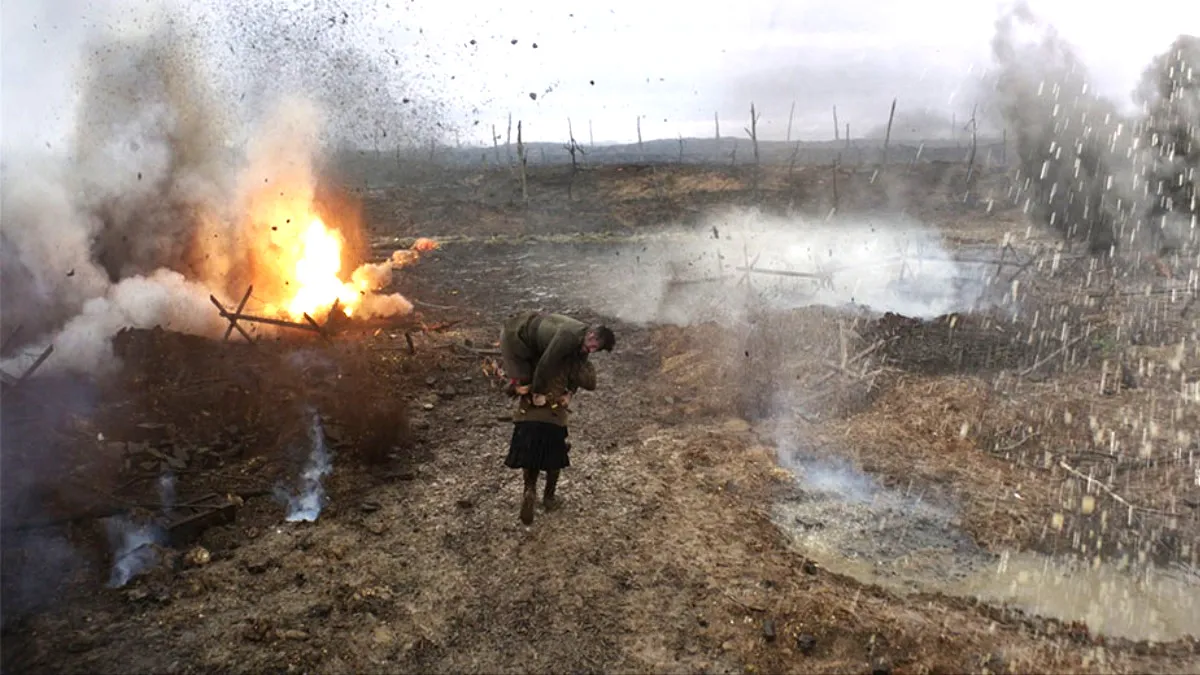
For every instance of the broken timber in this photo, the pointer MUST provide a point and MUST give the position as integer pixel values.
(10, 381)
(234, 317)
(193, 518)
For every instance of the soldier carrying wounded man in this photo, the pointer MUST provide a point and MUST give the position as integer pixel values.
(546, 360)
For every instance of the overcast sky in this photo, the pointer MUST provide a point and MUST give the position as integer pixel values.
(608, 62)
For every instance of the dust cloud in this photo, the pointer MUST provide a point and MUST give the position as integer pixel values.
(884, 264)
(1087, 170)
(150, 209)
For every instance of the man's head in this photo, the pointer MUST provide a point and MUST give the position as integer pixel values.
(599, 338)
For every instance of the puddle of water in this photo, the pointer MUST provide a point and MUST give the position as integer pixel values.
(846, 523)
(1146, 604)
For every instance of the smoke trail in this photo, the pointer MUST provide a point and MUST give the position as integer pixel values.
(306, 505)
(135, 549)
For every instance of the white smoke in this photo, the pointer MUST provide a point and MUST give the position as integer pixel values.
(307, 503)
(150, 210)
(690, 276)
(136, 549)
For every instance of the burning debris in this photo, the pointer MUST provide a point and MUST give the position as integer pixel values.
(306, 505)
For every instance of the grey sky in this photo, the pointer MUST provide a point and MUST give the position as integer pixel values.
(672, 63)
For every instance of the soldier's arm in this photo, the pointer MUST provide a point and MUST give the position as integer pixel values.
(584, 377)
(561, 346)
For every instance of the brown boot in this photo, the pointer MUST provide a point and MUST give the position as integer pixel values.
(529, 497)
(548, 499)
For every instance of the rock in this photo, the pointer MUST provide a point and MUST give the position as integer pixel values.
(197, 556)
(448, 392)
(503, 418)
(881, 666)
(320, 610)
(292, 634)
(806, 643)
(430, 381)
(993, 663)
(768, 630)
(464, 503)
(257, 566)
(810, 567)
(369, 507)
(427, 406)
(376, 527)
(383, 636)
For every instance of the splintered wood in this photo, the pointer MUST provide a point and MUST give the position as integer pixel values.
(309, 324)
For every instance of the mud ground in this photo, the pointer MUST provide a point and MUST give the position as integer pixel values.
(677, 548)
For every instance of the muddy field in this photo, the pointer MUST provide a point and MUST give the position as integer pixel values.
(973, 453)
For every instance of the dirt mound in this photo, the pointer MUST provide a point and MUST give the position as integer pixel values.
(959, 343)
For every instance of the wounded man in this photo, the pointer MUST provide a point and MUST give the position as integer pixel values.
(536, 347)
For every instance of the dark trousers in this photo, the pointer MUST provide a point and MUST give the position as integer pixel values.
(531, 479)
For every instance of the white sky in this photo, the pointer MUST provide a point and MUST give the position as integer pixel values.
(673, 63)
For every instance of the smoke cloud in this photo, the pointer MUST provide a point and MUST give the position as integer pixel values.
(689, 276)
(174, 188)
(1085, 169)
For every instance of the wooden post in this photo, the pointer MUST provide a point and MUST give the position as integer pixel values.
(681, 148)
(717, 124)
(496, 144)
(240, 307)
(835, 124)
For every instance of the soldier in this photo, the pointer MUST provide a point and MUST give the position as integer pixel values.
(539, 439)
(536, 347)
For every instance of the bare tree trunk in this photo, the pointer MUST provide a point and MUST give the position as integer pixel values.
(836, 161)
(641, 150)
(835, 124)
(791, 115)
(752, 132)
(508, 141)
(717, 124)
(792, 161)
(496, 144)
(521, 164)
(681, 148)
(974, 146)
(887, 137)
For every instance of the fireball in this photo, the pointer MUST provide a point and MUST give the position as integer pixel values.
(315, 277)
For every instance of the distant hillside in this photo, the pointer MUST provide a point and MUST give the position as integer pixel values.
(728, 151)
